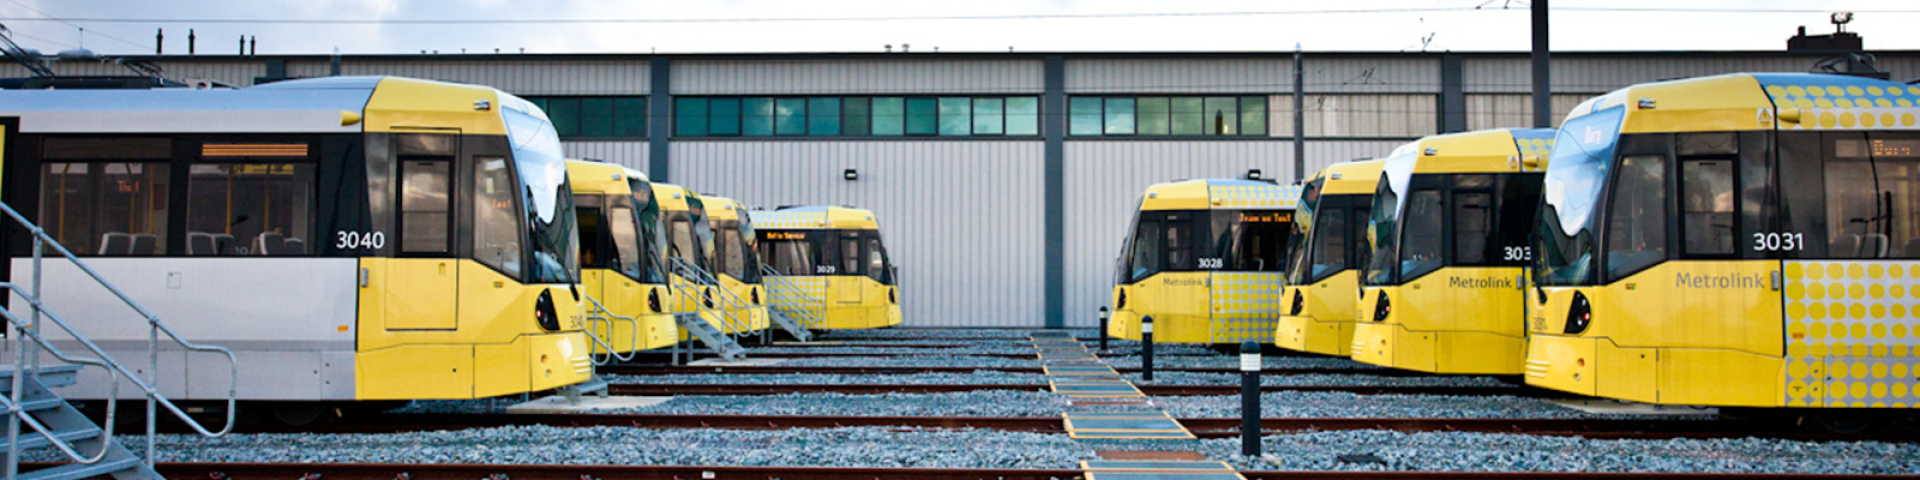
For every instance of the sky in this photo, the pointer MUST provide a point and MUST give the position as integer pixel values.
(127, 27)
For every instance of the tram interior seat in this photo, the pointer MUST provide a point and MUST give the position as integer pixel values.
(1912, 249)
(296, 246)
(1874, 246)
(116, 243)
(145, 244)
(206, 244)
(1846, 245)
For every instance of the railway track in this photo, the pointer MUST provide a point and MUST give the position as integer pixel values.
(1150, 389)
(1201, 427)
(376, 471)
(778, 369)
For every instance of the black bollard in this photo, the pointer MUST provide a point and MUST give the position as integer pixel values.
(1250, 399)
(1146, 349)
(1103, 329)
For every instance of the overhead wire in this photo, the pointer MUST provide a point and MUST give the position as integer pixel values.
(83, 29)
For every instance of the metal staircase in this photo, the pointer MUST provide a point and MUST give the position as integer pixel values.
(790, 305)
(690, 279)
(50, 420)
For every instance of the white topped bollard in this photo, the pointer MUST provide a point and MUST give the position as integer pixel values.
(1103, 329)
(1250, 399)
(1146, 349)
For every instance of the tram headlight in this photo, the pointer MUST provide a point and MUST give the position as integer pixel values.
(1382, 308)
(754, 294)
(891, 299)
(653, 300)
(1122, 302)
(543, 312)
(706, 295)
(1579, 315)
(1298, 303)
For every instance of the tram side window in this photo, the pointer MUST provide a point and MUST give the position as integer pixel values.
(256, 209)
(1178, 238)
(1421, 246)
(1854, 220)
(1472, 222)
(496, 224)
(1329, 237)
(680, 237)
(1871, 196)
(1259, 243)
(1514, 214)
(877, 261)
(792, 257)
(626, 240)
(1636, 216)
(849, 255)
(1900, 186)
(106, 209)
(732, 256)
(593, 234)
(1146, 250)
(1706, 207)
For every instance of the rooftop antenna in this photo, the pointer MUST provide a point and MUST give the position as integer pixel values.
(889, 48)
(1840, 20)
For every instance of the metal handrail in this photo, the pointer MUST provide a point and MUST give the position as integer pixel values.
(602, 315)
(699, 277)
(113, 397)
(155, 327)
(811, 319)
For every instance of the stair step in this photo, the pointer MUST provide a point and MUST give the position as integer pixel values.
(42, 404)
(30, 439)
(79, 471)
(50, 375)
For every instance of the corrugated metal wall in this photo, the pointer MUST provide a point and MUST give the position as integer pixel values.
(1587, 75)
(961, 218)
(850, 76)
(231, 72)
(632, 154)
(1387, 116)
(530, 76)
(1485, 111)
(1104, 180)
(1372, 74)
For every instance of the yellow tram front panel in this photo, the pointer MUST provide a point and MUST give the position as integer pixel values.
(1466, 314)
(723, 214)
(806, 247)
(445, 328)
(1323, 320)
(1226, 297)
(648, 304)
(1809, 315)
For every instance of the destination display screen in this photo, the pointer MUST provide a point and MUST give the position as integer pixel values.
(1879, 148)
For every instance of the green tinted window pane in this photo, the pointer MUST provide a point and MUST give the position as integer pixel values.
(596, 117)
(889, 116)
(1150, 115)
(689, 117)
(1186, 116)
(1222, 116)
(1119, 116)
(1253, 115)
(756, 116)
(724, 116)
(956, 116)
(988, 115)
(922, 116)
(565, 114)
(540, 102)
(1085, 116)
(856, 116)
(823, 116)
(1023, 116)
(630, 116)
(789, 116)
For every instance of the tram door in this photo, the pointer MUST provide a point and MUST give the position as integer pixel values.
(847, 287)
(423, 281)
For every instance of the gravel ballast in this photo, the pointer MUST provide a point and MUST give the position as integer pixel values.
(984, 403)
(980, 377)
(1495, 452)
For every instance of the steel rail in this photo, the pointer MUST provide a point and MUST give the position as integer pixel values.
(780, 369)
(667, 389)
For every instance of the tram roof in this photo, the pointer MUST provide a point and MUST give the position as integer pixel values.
(1220, 194)
(674, 197)
(588, 176)
(317, 105)
(815, 217)
(1481, 151)
(1761, 101)
(722, 208)
(1351, 178)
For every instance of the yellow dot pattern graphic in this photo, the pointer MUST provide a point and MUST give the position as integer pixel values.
(1849, 340)
(1851, 107)
(1245, 306)
(789, 220)
(1244, 194)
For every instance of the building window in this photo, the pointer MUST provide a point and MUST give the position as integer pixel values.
(1167, 116)
(957, 116)
(603, 117)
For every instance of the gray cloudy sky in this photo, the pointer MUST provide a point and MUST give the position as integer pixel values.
(127, 26)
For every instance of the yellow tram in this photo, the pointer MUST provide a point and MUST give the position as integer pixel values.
(828, 267)
(736, 263)
(349, 238)
(1204, 259)
(1745, 240)
(623, 256)
(1443, 290)
(1324, 258)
